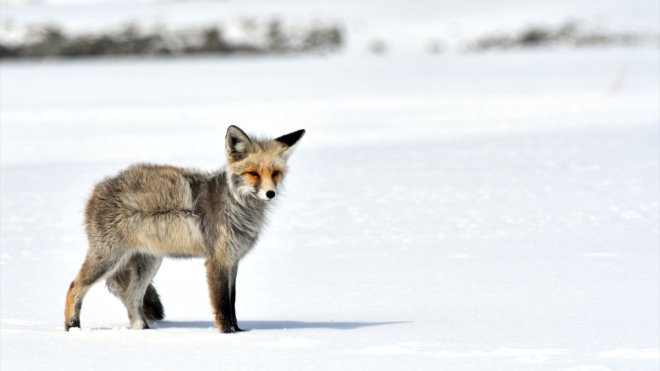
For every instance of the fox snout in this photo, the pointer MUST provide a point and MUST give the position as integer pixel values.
(266, 194)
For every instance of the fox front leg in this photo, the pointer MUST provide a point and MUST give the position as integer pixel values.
(219, 279)
(232, 286)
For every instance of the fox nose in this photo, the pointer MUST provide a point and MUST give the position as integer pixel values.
(270, 194)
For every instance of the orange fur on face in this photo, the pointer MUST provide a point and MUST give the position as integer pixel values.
(265, 173)
(253, 175)
(277, 176)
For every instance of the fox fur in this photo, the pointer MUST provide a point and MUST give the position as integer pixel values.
(148, 212)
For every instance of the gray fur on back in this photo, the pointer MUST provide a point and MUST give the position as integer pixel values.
(170, 211)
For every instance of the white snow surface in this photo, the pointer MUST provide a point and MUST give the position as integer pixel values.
(492, 211)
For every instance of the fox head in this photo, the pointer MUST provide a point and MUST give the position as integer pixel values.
(255, 166)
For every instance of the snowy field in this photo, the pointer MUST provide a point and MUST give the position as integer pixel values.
(441, 213)
(459, 211)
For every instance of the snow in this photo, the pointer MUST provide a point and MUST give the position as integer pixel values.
(491, 211)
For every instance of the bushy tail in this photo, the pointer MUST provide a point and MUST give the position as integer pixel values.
(153, 308)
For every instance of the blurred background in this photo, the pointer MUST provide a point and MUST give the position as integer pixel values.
(477, 188)
(385, 70)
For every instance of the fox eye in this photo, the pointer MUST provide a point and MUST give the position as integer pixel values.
(252, 173)
(276, 173)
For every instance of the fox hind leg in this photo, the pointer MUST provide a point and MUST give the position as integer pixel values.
(118, 282)
(95, 267)
(151, 304)
(138, 290)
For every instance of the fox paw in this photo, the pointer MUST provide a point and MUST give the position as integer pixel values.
(71, 323)
(139, 325)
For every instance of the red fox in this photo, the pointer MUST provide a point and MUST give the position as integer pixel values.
(148, 212)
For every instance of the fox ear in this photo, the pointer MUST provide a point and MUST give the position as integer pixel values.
(237, 143)
(290, 139)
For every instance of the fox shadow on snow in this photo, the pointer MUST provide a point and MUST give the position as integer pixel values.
(277, 325)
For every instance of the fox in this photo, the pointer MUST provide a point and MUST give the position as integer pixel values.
(147, 212)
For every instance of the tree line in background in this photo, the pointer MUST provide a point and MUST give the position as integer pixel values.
(271, 37)
(275, 37)
(571, 34)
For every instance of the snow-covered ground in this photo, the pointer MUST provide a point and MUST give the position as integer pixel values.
(490, 211)
(459, 212)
